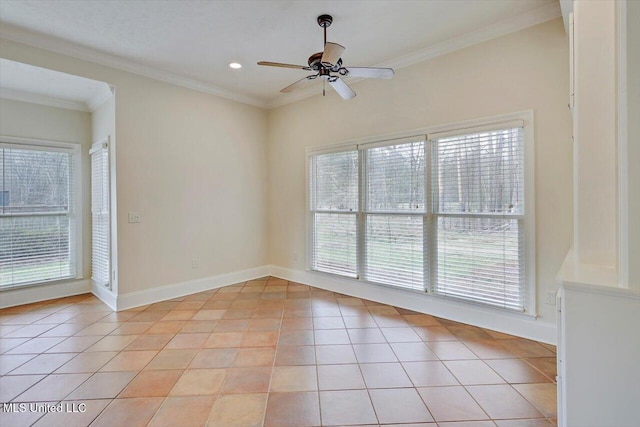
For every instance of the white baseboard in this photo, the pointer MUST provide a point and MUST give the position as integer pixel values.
(105, 295)
(473, 314)
(43, 292)
(163, 293)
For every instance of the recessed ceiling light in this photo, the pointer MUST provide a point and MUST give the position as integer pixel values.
(235, 65)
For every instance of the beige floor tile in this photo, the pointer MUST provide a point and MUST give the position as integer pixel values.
(374, 353)
(241, 410)
(346, 407)
(536, 422)
(260, 339)
(150, 342)
(451, 350)
(247, 380)
(224, 340)
(340, 377)
(261, 356)
(92, 409)
(427, 374)
(296, 337)
(183, 411)
(12, 386)
(294, 378)
(451, 404)
(434, 333)
(195, 382)
(172, 359)
(293, 410)
(167, 327)
(130, 361)
(195, 326)
(542, 396)
(9, 362)
(516, 371)
(43, 364)
(473, 372)
(112, 343)
(74, 344)
(413, 352)
(135, 412)
(331, 336)
(287, 355)
(402, 405)
(366, 336)
(489, 349)
(152, 384)
(53, 387)
(102, 385)
(186, 341)
(132, 328)
(334, 354)
(214, 358)
(384, 375)
(87, 362)
(526, 348)
(503, 402)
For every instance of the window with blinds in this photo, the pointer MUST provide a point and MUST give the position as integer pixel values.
(395, 206)
(334, 207)
(444, 215)
(37, 214)
(478, 208)
(100, 230)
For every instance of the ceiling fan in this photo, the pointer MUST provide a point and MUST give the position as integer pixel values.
(328, 66)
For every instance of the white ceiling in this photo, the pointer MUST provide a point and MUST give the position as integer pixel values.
(195, 40)
(25, 82)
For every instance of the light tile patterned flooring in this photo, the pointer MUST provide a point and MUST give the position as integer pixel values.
(267, 352)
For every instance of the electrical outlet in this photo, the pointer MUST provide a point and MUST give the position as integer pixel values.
(195, 263)
(134, 217)
(550, 297)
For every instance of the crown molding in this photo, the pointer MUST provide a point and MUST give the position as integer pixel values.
(74, 50)
(501, 28)
(19, 95)
(498, 29)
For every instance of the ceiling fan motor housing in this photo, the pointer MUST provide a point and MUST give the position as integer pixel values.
(325, 20)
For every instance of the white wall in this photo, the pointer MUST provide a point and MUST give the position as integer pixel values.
(35, 121)
(633, 140)
(192, 164)
(521, 71)
(595, 155)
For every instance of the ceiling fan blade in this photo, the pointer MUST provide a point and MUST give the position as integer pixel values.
(281, 65)
(370, 72)
(342, 88)
(332, 52)
(299, 83)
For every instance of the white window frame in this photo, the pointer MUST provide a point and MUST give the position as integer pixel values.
(76, 151)
(521, 118)
(99, 146)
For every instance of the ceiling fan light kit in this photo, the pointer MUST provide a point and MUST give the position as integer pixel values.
(328, 66)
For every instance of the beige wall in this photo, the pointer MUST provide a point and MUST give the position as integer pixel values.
(193, 165)
(525, 70)
(27, 120)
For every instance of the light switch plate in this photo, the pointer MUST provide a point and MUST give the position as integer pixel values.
(134, 217)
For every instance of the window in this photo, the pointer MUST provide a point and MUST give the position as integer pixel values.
(478, 202)
(444, 214)
(38, 214)
(334, 207)
(100, 230)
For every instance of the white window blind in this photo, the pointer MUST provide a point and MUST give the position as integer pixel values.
(334, 206)
(445, 215)
(395, 207)
(37, 215)
(478, 206)
(100, 248)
